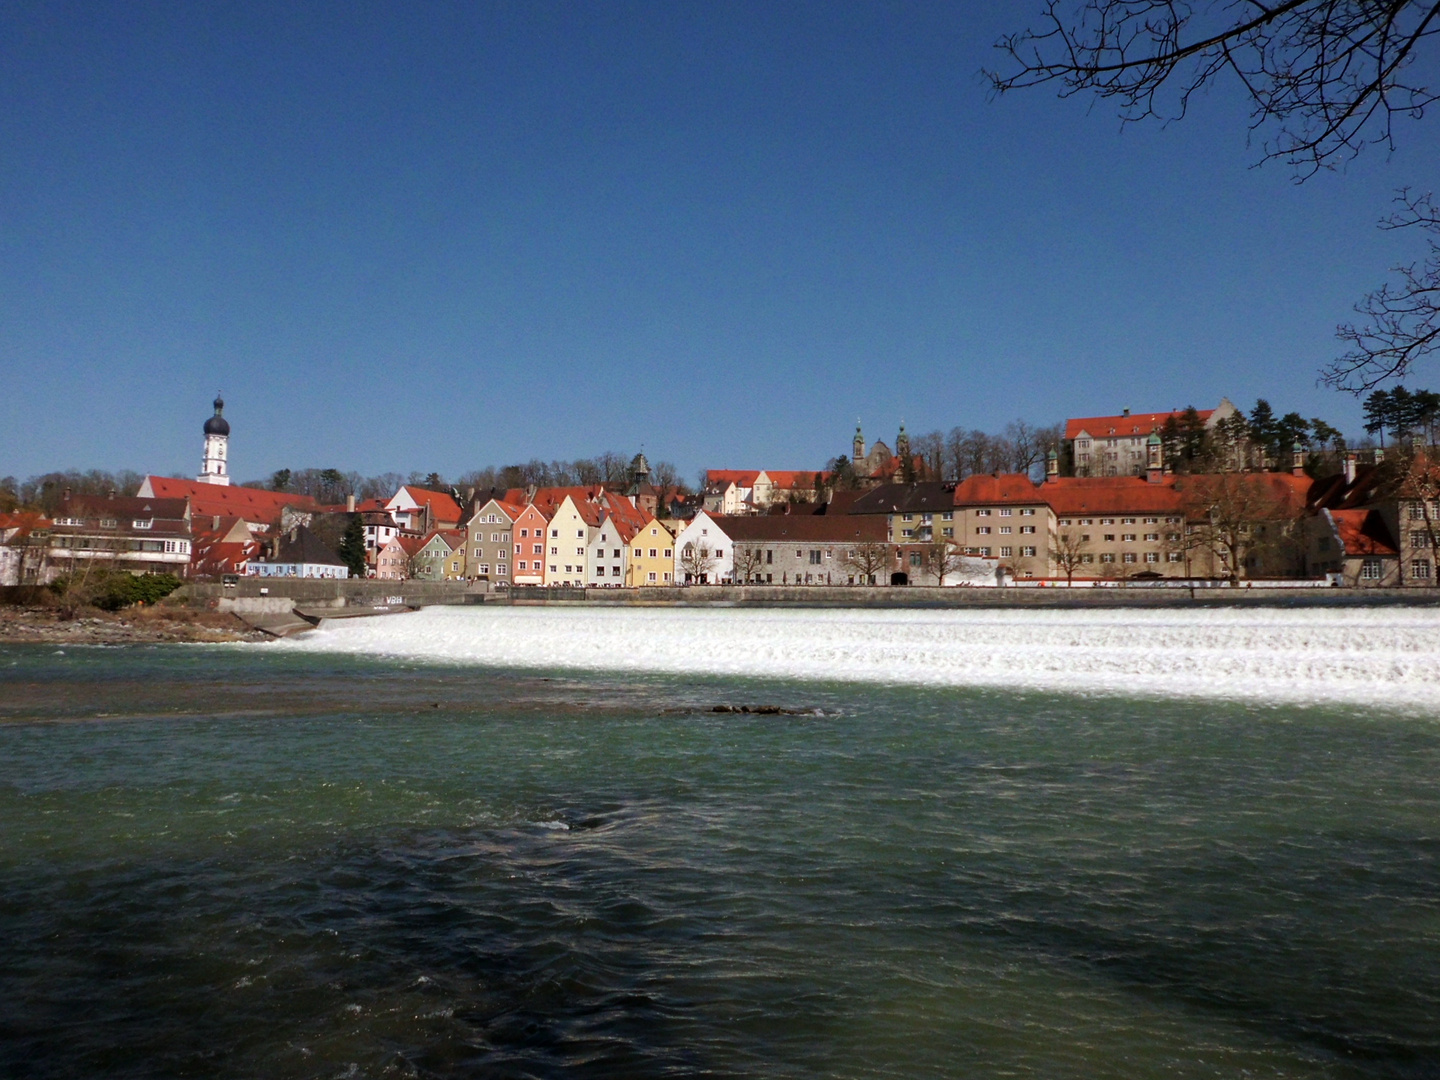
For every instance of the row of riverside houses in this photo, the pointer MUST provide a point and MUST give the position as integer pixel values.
(1373, 522)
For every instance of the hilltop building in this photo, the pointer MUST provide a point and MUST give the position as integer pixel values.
(213, 466)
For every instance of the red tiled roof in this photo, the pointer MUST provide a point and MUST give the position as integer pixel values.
(24, 521)
(442, 504)
(1134, 424)
(211, 557)
(793, 478)
(742, 477)
(1111, 495)
(1363, 532)
(986, 489)
(207, 500)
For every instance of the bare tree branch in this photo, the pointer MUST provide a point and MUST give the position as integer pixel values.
(1403, 316)
(1326, 75)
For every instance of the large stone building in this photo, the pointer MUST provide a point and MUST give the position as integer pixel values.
(1116, 445)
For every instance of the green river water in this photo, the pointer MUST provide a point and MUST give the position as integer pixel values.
(249, 863)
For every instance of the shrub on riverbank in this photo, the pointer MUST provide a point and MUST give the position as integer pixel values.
(111, 591)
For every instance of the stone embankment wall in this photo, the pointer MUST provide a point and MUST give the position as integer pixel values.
(282, 596)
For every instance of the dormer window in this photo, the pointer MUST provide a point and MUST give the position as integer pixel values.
(142, 523)
(108, 523)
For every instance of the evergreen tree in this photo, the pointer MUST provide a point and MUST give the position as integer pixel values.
(352, 546)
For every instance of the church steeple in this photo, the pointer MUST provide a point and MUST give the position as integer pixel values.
(213, 468)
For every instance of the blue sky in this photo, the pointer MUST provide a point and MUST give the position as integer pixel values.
(442, 236)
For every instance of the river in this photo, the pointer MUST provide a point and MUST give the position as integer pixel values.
(522, 842)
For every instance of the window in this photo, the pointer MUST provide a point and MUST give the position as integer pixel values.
(985, 551)
(521, 565)
(1087, 558)
(815, 558)
(651, 575)
(1007, 513)
(770, 556)
(569, 569)
(947, 516)
(108, 523)
(1108, 556)
(1005, 553)
(580, 534)
(555, 534)
(947, 532)
(907, 517)
(1417, 513)
(1110, 537)
(1152, 556)
(1064, 522)
(1027, 513)
(983, 530)
(1085, 537)
(484, 568)
(1173, 538)
(580, 551)
(1127, 521)
(1027, 530)
(1152, 538)
(1420, 569)
(554, 551)
(1172, 521)
(907, 532)
(1006, 530)
(1152, 521)
(479, 536)
(1419, 539)
(524, 532)
(668, 555)
(1128, 538)
(479, 552)
(982, 513)
(1027, 552)
(1173, 556)
(539, 549)
(1107, 521)
(1129, 557)
(1370, 570)
(915, 559)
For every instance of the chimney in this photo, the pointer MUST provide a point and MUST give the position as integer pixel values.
(1124, 412)
(110, 494)
(350, 504)
(214, 522)
(1349, 463)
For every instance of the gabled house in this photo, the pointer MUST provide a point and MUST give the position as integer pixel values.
(703, 552)
(438, 557)
(1356, 545)
(730, 491)
(421, 510)
(652, 554)
(24, 540)
(607, 557)
(398, 558)
(530, 542)
(221, 546)
(490, 541)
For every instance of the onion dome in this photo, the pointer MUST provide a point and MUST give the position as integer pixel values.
(217, 424)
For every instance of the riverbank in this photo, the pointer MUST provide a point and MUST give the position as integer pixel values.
(139, 626)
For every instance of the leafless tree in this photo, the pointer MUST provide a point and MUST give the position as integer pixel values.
(696, 563)
(1068, 551)
(1403, 316)
(868, 560)
(930, 449)
(749, 558)
(943, 558)
(1237, 519)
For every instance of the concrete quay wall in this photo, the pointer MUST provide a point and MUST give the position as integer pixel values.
(282, 595)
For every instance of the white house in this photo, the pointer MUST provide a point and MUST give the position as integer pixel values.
(608, 552)
(705, 537)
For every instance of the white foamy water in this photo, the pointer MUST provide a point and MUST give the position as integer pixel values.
(1381, 656)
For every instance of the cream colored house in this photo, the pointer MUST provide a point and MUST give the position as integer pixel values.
(703, 552)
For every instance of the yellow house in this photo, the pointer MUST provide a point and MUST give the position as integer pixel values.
(652, 556)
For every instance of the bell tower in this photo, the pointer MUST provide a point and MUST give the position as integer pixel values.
(213, 467)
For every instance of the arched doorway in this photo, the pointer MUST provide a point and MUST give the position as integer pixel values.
(899, 578)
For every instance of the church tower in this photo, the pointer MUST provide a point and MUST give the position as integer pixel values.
(217, 438)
